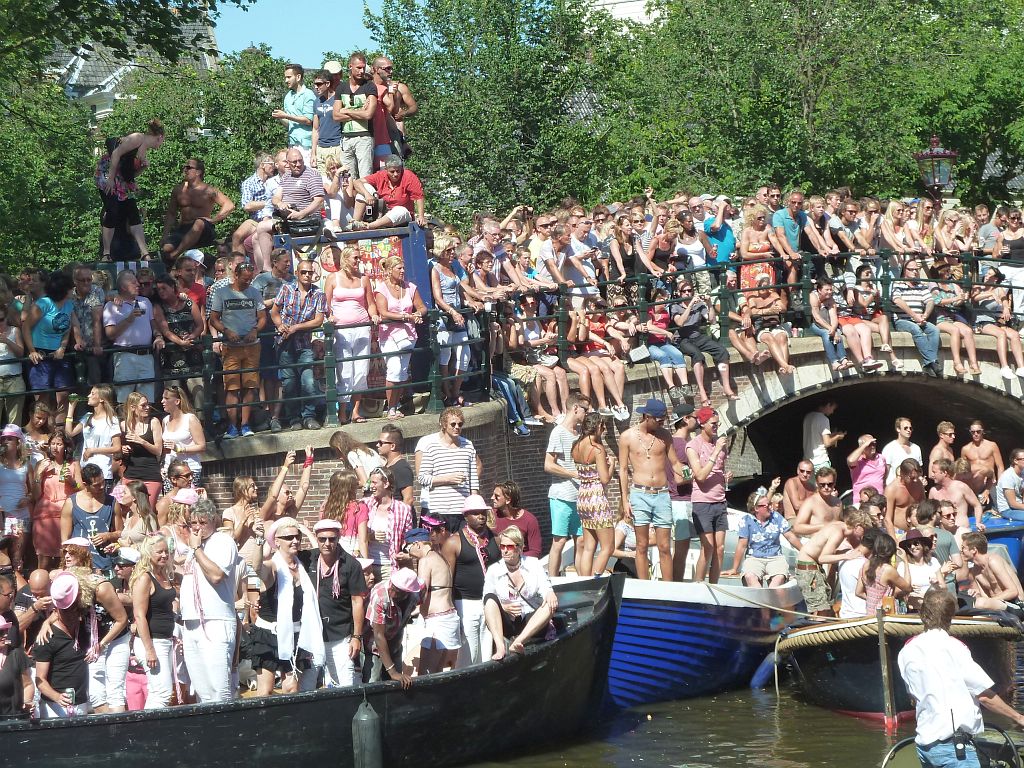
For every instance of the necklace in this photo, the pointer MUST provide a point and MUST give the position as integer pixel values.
(647, 448)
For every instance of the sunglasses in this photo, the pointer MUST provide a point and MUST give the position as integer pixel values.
(507, 547)
(307, 272)
(289, 537)
(823, 484)
(327, 539)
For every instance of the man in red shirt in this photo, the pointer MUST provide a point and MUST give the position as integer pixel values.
(398, 188)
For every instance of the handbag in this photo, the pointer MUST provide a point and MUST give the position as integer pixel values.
(473, 330)
(639, 354)
(310, 226)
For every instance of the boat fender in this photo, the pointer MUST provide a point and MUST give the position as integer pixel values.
(765, 672)
(367, 741)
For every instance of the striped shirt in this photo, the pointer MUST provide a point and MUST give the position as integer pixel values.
(254, 189)
(300, 191)
(914, 294)
(436, 459)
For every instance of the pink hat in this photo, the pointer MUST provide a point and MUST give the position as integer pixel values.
(4, 624)
(78, 541)
(475, 502)
(186, 496)
(12, 430)
(64, 590)
(120, 493)
(284, 522)
(327, 525)
(364, 562)
(405, 580)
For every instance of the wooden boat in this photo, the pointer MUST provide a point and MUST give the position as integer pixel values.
(839, 665)
(549, 693)
(678, 640)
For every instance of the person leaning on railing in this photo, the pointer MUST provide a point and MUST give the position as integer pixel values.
(47, 327)
(296, 312)
(401, 309)
(914, 302)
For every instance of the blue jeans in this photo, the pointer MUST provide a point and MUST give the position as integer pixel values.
(508, 390)
(943, 755)
(834, 352)
(925, 339)
(666, 356)
(296, 381)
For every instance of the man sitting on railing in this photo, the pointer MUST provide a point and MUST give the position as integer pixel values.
(301, 194)
(399, 189)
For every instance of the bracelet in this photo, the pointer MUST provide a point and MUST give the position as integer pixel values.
(388, 669)
(308, 462)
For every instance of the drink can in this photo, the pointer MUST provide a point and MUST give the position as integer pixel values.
(70, 693)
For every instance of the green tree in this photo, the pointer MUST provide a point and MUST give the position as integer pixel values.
(221, 116)
(48, 203)
(511, 94)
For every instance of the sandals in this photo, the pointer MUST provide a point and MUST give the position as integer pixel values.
(897, 365)
(885, 348)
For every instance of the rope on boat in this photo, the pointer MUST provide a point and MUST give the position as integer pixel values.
(759, 604)
(815, 636)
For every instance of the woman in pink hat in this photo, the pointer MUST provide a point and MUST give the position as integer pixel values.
(54, 479)
(177, 527)
(179, 477)
(62, 671)
(16, 689)
(288, 632)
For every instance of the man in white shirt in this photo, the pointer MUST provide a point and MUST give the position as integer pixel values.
(818, 436)
(208, 590)
(901, 448)
(1010, 487)
(947, 685)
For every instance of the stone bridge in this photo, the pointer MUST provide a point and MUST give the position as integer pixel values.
(765, 423)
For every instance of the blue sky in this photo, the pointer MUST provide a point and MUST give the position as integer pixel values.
(296, 30)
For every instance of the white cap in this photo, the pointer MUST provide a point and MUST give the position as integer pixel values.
(196, 255)
(707, 197)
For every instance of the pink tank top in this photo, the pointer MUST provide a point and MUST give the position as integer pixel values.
(400, 331)
(348, 305)
(873, 594)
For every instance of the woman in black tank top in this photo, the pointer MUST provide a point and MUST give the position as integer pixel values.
(142, 444)
(153, 597)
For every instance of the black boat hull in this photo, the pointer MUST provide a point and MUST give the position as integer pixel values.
(551, 692)
(846, 676)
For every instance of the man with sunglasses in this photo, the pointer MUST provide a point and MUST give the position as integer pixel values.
(821, 508)
(797, 489)
(986, 461)
(326, 140)
(391, 447)
(190, 221)
(395, 103)
(341, 591)
(296, 312)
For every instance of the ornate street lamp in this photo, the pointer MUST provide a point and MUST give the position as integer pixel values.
(936, 166)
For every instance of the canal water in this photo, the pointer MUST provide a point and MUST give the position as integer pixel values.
(744, 728)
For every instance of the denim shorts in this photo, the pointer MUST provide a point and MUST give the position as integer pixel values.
(682, 519)
(565, 521)
(651, 508)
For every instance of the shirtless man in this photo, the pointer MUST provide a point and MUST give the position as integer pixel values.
(944, 448)
(797, 489)
(189, 222)
(996, 586)
(986, 461)
(442, 637)
(822, 549)
(946, 488)
(900, 495)
(643, 450)
(821, 508)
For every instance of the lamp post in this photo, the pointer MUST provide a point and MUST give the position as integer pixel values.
(936, 166)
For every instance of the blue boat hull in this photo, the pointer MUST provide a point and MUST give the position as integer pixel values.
(678, 641)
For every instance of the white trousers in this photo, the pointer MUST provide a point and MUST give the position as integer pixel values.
(339, 670)
(349, 342)
(477, 644)
(50, 710)
(209, 648)
(107, 675)
(160, 679)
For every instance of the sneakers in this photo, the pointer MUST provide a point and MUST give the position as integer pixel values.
(870, 364)
(676, 393)
(275, 425)
(521, 430)
(232, 433)
(932, 370)
(295, 426)
(1020, 372)
(533, 421)
(310, 423)
(1006, 373)
(621, 413)
(606, 411)
(246, 431)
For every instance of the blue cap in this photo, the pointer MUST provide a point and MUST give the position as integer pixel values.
(417, 534)
(653, 407)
